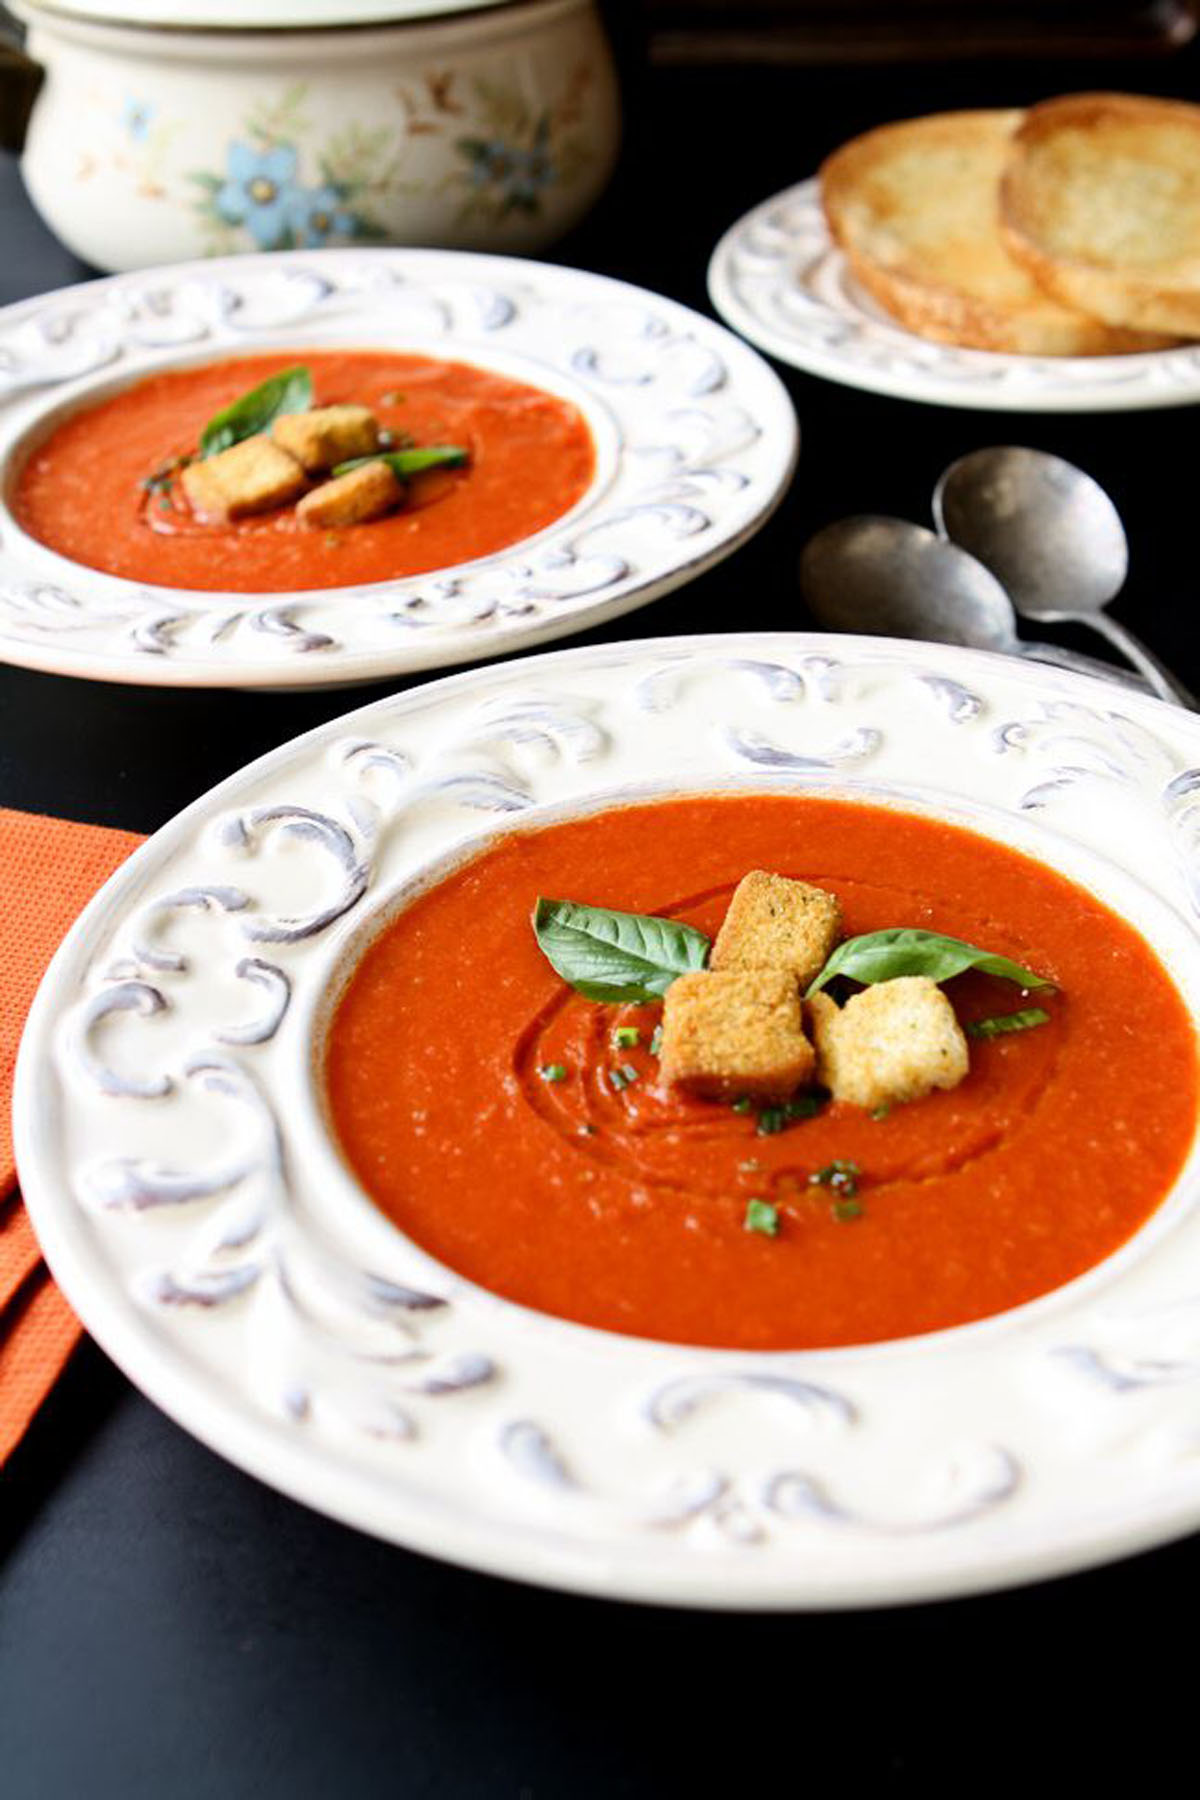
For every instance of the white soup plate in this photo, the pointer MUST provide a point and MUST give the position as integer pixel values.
(695, 442)
(174, 1156)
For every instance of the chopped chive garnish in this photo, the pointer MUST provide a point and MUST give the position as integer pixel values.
(777, 1118)
(841, 1176)
(881, 1112)
(160, 481)
(629, 1072)
(845, 1210)
(1016, 1021)
(617, 1080)
(656, 1041)
(626, 1036)
(741, 1106)
(553, 1072)
(761, 1216)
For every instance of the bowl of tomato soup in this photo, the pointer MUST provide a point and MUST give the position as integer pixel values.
(521, 1133)
(524, 450)
(99, 486)
(367, 1190)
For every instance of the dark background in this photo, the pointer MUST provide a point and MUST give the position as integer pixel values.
(169, 1626)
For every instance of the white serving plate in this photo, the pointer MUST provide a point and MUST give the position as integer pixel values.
(696, 442)
(778, 278)
(174, 1158)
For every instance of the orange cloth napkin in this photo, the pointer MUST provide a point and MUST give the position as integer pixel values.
(49, 870)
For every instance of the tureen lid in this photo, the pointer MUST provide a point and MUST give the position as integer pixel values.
(254, 15)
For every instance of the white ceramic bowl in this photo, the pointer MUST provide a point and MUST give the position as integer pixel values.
(695, 443)
(492, 130)
(173, 1153)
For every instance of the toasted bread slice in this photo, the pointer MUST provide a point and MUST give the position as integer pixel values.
(1101, 201)
(915, 208)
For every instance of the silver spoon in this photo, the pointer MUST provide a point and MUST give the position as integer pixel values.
(1053, 538)
(883, 575)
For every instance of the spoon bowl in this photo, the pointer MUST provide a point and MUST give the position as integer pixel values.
(1047, 531)
(1052, 537)
(882, 575)
(888, 577)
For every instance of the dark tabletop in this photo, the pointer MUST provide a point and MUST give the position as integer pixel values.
(169, 1626)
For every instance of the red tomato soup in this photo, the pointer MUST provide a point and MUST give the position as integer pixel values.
(625, 1208)
(83, 491)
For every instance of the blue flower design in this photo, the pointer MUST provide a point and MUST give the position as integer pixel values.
(532, 171)
(516, 174)
(318, 214)
(258, 192)
(137, 117)
(490, 161)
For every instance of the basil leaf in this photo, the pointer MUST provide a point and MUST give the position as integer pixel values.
(290, 391)
(404, 463)
(885, 955)
(609, 955)
(1003, 1022)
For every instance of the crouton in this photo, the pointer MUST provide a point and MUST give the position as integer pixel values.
(733, 1034)
(895, 1041)
(327, 435)
(250, 477)
(365, 493)
(774, 923)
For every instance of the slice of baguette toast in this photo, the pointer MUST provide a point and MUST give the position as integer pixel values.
(915, 209)
(1101, 201)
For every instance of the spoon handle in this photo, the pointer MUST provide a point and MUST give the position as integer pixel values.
(1157, 674)
(1081, 664)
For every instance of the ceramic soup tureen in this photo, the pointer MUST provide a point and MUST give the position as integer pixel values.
(169, 129)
